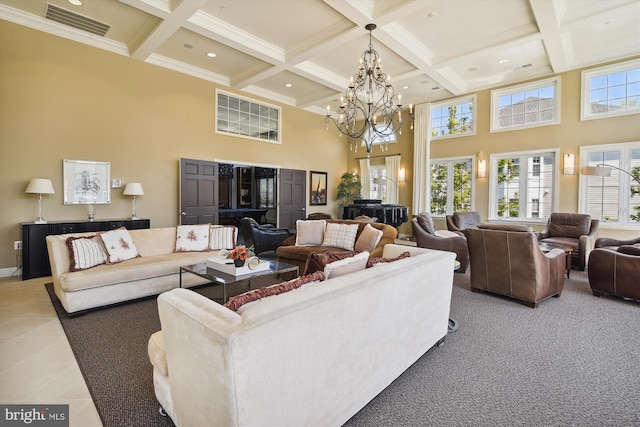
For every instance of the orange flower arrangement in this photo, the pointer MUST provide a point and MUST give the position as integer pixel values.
(241, 253)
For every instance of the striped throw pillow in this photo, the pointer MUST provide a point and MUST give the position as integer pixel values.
(85, 252)
(222, 237)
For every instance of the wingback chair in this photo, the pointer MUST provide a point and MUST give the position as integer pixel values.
(507, 260)
(577, 231)
(262, 237)
(460, 221)
(426, 236)
(614, 268)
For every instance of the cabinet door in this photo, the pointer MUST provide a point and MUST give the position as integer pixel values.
(35, 257)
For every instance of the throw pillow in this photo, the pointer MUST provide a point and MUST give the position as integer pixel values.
(310, 233)
(119, 245)
(317, 261)
(341, 236)
(238, 301)
(85, 252)
(222, 237)
(346, 266)
(192, 238)
(378, 260)
(368, 239)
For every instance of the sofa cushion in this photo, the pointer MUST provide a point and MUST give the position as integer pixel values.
(426, 222)
(318, 261)
(222, 237)
(368, 239)
(446, 234)
(310, 233)
(340, 236)
(569, 225)
(192, 238)
(380, 260)
(119, 245)
(85, 252)
(238, 301)
(347, 265)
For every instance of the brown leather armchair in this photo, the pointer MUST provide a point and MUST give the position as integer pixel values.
(578, 231)
(425, 236)
(614, 268)
(460, 221)
(507, 260)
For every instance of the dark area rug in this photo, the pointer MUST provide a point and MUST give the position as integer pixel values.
(110, 345)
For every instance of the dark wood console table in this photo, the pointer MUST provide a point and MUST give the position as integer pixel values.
(35, 257)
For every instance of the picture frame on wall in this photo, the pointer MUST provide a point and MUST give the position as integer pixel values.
(86, 182)
(317, 188)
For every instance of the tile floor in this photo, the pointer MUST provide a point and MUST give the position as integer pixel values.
(36, 361)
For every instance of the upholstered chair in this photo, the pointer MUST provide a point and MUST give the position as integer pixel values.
(264, 237)
(507, 260)
(426, 236)
(319, 215)
(460, 221)
(577, 231)
(614, 268)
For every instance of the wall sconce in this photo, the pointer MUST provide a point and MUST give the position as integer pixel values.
(482, 168)
(569, 166)
(402, 175)
(40, 186)
(133, 189)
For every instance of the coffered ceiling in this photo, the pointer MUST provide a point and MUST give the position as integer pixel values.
(303, 52)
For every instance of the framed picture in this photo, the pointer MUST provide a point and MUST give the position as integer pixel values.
(86, 182)
(318, 188)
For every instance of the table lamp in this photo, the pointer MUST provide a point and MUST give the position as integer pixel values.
(133, 189)
(40, 186)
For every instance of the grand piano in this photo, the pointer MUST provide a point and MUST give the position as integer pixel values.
(386, 213)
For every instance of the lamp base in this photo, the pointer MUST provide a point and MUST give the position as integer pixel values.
(134, 216)
(40, 221)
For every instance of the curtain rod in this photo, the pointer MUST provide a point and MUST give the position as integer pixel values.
(381, 155)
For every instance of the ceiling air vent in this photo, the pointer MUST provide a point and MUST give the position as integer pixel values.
(74, 20)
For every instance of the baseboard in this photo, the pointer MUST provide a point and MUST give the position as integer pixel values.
(11, 271)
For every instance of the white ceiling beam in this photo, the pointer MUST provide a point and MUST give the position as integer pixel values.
(549, 26)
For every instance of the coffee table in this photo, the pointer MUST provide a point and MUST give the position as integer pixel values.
(547, 247)
(216, 277)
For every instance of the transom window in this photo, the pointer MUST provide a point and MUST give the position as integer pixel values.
(524, 106)
(612, 90)
(451, 185)
(523, 185)
(453, 118)
(613, 199)
(244, 117)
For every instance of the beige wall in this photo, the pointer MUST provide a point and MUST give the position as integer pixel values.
(567, 136)
(64, 100)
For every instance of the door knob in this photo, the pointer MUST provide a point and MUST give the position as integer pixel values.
(183, 213)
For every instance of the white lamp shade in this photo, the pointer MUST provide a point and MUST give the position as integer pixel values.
(40, 186)
(133, 189)
(380, 181)
(596, 170)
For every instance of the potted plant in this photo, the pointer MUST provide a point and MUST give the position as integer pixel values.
(349, 189)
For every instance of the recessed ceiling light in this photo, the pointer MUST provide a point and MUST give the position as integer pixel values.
(288, 85)
(188, 46)
(432, 14)
(75, 2)
(405, 87)
(211, 54)
(503, 61)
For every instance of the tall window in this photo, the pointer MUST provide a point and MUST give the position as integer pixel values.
(455, 117)
(239, 116)
(524, 106)
(376, 191)
(612, 90)
(613, 199)
(451, 185)
(523, 185)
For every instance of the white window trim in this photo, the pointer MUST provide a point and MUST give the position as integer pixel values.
(255, 101)
(493, 184)
(456, 101)
(587, 75)
(497, 93)
(624, 199)
(449, 207)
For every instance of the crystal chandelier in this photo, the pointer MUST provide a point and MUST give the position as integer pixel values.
(370, 111)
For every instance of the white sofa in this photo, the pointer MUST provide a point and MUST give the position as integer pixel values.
(156, 270)
(313, 356)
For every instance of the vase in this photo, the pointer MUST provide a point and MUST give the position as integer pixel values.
(238, 262)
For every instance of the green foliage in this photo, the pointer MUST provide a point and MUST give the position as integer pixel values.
(349, 189)
(512, 207)
(635, 190)
(508, 169)
(461, 187)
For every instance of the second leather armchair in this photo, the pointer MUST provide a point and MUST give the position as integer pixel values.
(262, 237)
